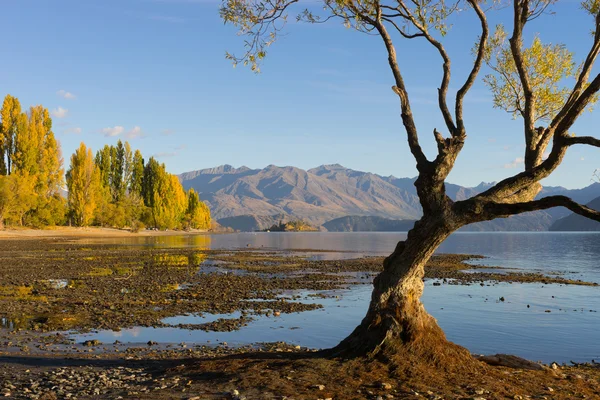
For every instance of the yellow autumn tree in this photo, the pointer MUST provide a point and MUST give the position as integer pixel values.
(164, 196)
(197, 215)
(83, 183)
(172, 201)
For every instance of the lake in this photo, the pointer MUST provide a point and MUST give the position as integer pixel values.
(560, 324)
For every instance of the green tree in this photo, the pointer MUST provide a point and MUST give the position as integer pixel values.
(117, 170)
(151, 183)
(137, 174)
(83, 183)
(103, 162)
(11, 109)
(526, 81)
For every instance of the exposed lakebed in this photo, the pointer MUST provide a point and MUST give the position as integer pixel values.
(190, 294)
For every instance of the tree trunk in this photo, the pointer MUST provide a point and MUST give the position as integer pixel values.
(396, 324)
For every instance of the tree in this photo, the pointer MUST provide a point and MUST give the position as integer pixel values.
(164, 196)
(83, 182)
(526, 81)
(117, 170)
(197, 214)
(17, 197)
(150, 187)
(137, 174)
(11, 109)
(103, 162)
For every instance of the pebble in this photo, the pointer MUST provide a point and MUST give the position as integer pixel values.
(86, 382)
(318, 387)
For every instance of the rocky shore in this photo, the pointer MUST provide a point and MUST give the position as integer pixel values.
(51, 288)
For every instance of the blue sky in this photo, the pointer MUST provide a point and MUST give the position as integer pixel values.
(153, 72)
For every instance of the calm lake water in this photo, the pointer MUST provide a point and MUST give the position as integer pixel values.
(470, 315)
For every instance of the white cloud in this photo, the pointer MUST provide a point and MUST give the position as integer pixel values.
(75, 130)
(135, 133)
(59, 112)
(515, 163)
(168, 132)
(114, 131)
(66, 95)
(582, 159)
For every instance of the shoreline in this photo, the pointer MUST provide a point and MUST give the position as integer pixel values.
(95, 232)
(36, 362)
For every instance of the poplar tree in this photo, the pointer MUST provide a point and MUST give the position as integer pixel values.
(137, 174)
(164, 196)
(117, 170)
(83, 183)
(11, 109)
(197, 213)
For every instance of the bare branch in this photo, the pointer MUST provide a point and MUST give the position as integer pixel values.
(499, 209)
(521, 14)
(584, 76)
(578, 106)
(475, 70)
(589, 140)
(443, 89)
(406, 35)
(400, 90)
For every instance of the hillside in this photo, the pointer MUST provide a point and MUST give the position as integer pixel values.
(368, 224)
(575, 222)
(252, 223)
(329, 192)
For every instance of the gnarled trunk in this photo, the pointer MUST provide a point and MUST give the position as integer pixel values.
(397, 324)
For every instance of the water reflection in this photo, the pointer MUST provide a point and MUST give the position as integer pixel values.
(470, 315)
(576, 253)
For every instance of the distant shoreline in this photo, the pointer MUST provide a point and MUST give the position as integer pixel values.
(89, 232)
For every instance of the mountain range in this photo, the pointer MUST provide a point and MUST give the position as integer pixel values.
(250, 199)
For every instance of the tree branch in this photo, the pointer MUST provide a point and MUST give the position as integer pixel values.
(500, 209)
(443, 89)
(579, 105)
(474, 71)
(584, 75)
(521, 13)
(406, 35)
(400, 90)
(589, 140)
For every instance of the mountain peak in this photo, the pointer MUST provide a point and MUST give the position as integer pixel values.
(326, 168)
(225, 169)
(332, 191)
